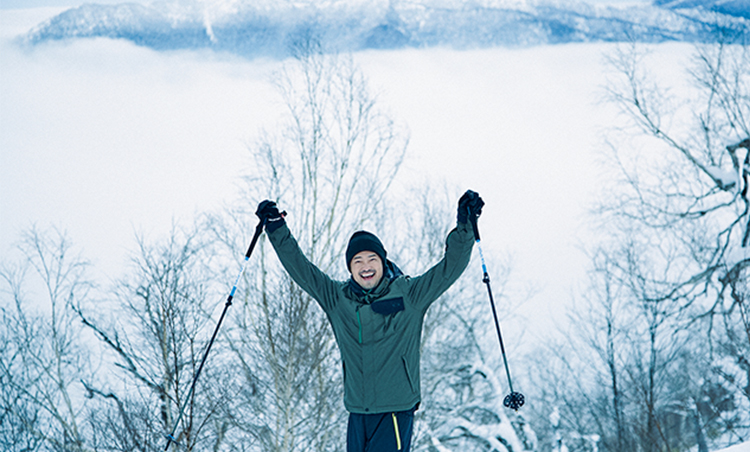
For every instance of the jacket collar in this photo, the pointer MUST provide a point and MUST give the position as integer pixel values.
(390, 273)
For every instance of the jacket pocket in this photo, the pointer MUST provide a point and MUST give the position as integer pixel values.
(388, 307)
(408, 374)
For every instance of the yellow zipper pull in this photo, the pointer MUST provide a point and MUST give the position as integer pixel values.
(398, 435)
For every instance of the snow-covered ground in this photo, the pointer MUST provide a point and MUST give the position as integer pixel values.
(744, 447)
(104, 139)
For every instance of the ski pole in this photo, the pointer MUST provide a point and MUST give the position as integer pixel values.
(514, 400)
(258, 231)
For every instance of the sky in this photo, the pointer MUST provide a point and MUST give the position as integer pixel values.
(22, 4)
(106, 139)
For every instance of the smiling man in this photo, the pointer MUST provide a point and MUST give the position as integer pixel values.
(365, 256)
(376, 317)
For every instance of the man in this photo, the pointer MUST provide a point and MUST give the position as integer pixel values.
(377, 317)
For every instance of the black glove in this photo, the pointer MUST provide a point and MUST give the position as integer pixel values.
(270, 216)
(469, 206)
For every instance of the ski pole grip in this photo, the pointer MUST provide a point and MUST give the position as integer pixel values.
(258, 231)
(473, 220)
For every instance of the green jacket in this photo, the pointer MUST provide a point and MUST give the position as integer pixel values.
(380, 352)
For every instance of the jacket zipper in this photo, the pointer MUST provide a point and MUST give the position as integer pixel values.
(359, 321)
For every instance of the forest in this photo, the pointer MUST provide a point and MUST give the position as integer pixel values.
(655, 355)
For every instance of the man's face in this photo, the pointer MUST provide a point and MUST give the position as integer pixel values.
(367, 269)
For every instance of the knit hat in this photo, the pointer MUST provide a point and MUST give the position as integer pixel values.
(364, 241)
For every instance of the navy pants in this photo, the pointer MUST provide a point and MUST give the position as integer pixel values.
(382, 432)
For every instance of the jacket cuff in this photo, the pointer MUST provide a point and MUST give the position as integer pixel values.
(273, 224)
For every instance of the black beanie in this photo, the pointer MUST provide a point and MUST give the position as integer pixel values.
(364, 241)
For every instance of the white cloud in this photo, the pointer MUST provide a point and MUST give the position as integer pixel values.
(102, 137)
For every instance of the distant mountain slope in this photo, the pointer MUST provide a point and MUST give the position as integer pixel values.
(737, 8)
(255, 28)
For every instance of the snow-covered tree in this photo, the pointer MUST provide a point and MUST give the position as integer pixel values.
(43, 355)
(681, 209)
(667, 313)
(154, 330)
(656, 354)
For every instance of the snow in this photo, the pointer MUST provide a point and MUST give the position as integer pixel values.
(731, 179)
(726, 178)
(744, 447)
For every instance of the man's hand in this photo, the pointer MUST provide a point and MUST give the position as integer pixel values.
(269, 214)
(469, 206)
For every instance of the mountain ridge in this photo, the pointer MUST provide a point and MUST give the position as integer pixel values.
(271, 28)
